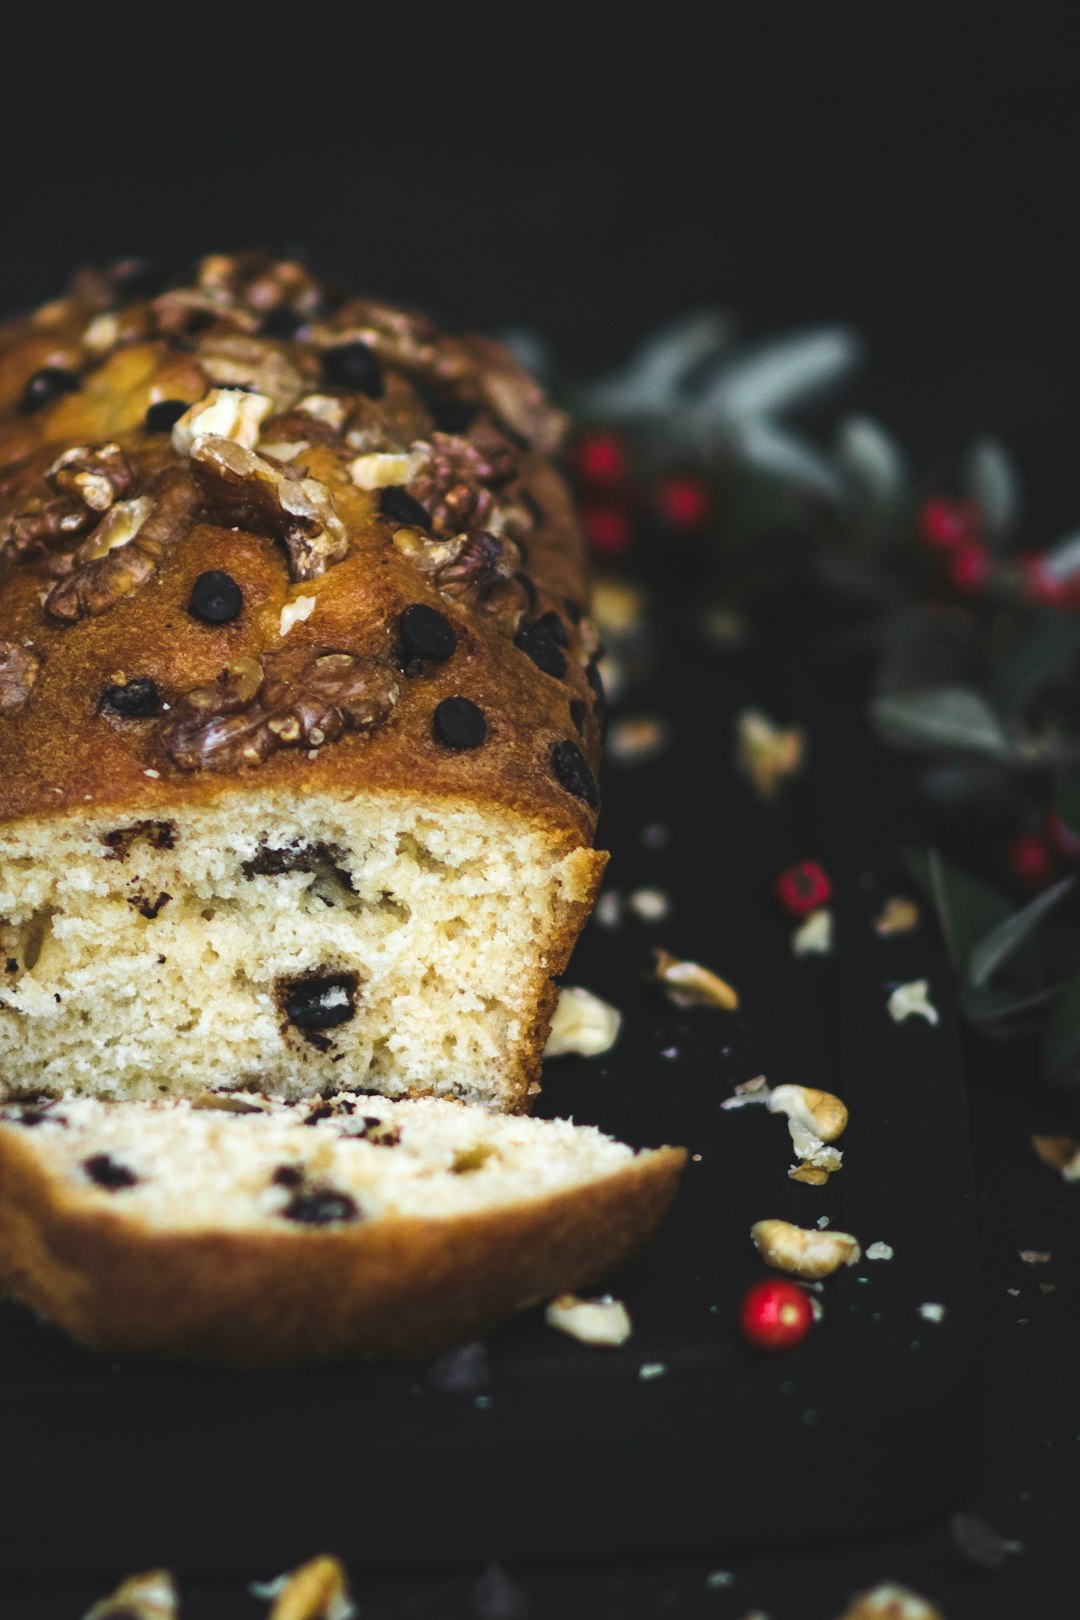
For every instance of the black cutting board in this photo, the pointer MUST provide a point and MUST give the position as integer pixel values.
(568, 1450)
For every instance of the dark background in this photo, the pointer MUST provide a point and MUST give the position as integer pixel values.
(590, 176)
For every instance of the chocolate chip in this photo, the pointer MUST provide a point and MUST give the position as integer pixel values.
(46, 385)
(554, 627)
(458, 723)
(578, 711)
(426, 633)
(283, 322)
(106, 1172)
(287, 1175)
(399, 506)
(323, 1110)
(536, 643)
(595, 680)
(320, 1207)
(163, 416)
(573, 773)
(216, 598)
(319, 1001)
(135, 699)
(354, 365)
(36, 1113)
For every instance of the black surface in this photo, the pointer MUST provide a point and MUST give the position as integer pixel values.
(603, 1460)
(917, 176)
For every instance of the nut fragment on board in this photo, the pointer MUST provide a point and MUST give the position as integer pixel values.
(889, 1602)
(583, 1024)
(768, 754)
(152, 1596)
(637, 738)
(898, 915)
(912, 1001)
(805, 1252)
(592, 1321)
(815, 1118)
(688, 984)
(1060, 1153)
(318, 1590)
(814, 936)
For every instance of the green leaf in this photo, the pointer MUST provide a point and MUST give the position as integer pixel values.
(993, 1009)
(1003, 941)
(943, 717)
(1043, 653)
(1061, 1049)
(967, 909)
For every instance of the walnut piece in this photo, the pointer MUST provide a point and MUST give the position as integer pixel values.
(318, 1590)
(19, 669)
(688, 984)
(125, 548)
(591, 1321)
(152, 1596)
(767, 753)
(252, 363)
(244, 490)
(582, 1023)
(477, 568)
(227, 413)
(96, 475)
(287, 699)
(455, 480)
(802, 1250)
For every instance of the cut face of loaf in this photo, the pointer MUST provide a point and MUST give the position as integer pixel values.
(299, 702)
(289, 944)
(256, 1231)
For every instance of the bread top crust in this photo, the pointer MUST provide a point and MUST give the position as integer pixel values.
(116, 691)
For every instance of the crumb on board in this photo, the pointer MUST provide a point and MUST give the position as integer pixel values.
(912, 1001)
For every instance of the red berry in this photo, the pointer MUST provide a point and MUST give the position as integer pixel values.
(775, 1315)
(682, 502)
(600, 460)
(1029, 855)
(803, 888)
(608, 528)
(968, 567)
(1041, 585)
(948, 523)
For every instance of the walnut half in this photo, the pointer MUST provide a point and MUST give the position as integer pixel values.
(244, 490)
(125, 549)
(283, 700)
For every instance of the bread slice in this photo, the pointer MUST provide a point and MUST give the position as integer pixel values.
(237, 1229)
(298, 700)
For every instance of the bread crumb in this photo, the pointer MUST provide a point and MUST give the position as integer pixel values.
(912, 1001)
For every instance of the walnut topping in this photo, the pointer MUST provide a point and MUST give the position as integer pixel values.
(227, 413)
(285, 700)
(478, 568)
(399, 337)
(248, 491)
(253, 363)
(19, 669)
(42, 523)
(125, 548)
(456, 478)
(326, 408)
(377, 470)
(516, 398)
(96, 475)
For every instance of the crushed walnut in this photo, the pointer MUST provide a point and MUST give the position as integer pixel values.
(591, 1321)
(477, 568)
(318, 1590)
(890, 1602)
(1060, 1153)
(152, 1596)
(226, 413)
(814, 1118)
(289, 699)
(242, 489)
(897, 916)
(96, 475)
(125, 549)
(803, 1251)
(688, 984)
(768, 754)
(582, 1023)
(19, 670)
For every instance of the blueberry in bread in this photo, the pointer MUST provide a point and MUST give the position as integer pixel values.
(238, 1228)
(298, 731)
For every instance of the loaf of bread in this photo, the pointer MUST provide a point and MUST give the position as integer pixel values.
(242, 1229)
(298, 698)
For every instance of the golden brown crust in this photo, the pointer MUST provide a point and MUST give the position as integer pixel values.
(391, 1287)
(92, 623)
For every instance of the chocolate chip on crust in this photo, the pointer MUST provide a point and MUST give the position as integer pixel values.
(399, 506)
(573, 773)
